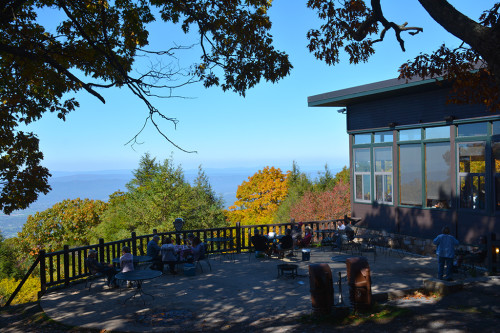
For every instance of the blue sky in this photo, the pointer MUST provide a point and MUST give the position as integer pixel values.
(271, 126)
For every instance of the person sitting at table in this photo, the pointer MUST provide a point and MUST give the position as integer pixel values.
(340, 226)
(304, 242)
(198, 249)
(168, 255)
(190, 238)
(296, 233)
(286, 242)
(107, 269)
(127, 262)
(259, 242)
(153, 251)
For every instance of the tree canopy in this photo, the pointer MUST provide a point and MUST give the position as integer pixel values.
(96, 44)
(95, 47)
(354, 26)
(70, 222)
(156, 196)
(258, 198)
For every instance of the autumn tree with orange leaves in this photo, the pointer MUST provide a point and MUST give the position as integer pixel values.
(259, 197)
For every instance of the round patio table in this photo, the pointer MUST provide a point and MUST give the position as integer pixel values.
(136, 259)
(138, 276)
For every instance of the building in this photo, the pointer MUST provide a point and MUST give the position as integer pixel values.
(418, 163)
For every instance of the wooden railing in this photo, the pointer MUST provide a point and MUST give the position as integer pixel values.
(61, 268)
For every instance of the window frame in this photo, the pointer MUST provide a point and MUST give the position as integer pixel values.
(362, 174)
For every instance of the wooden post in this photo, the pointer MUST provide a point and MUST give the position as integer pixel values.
(66, 264)
(238, 237)
(134, 243)
(101, 250)
(43, 273)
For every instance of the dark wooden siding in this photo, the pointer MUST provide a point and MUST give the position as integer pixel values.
(422, 107)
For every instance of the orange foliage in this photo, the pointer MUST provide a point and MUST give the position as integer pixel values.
(259, 197)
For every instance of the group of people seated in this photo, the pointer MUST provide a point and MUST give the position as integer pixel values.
(170, 255)
(271, 245)
(166, 254)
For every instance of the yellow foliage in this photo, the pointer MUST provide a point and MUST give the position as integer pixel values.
(259, 197)
(28, 293)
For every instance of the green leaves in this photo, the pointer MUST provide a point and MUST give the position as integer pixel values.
(158, 195)
(102, 39)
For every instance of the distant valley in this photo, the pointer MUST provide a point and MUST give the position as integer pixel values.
(100, 184)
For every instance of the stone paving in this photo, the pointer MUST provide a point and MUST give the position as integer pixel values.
(239, 291)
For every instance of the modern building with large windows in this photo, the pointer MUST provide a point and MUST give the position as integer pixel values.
(418, 163)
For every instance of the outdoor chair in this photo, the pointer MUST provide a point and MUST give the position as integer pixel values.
(92, 275)
(203, 257)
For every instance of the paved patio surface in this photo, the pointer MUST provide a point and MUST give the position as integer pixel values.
(245, 291)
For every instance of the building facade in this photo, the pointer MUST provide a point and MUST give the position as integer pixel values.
(418, 163)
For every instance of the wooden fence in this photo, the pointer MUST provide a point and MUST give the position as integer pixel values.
(61, 268)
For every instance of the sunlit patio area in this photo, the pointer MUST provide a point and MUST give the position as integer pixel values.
(239, 290)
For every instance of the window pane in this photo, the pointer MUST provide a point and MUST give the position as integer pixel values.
(388, 188)
(411, 134)
(366, 187)
(362, 160)
(437, 175)
(471, 157)
(383, 159)
(362, 139)
(495, 147)
(359, 187)
(380, 137)
(474, 129)
(410, 171)
(496, 127)
(383, 187)
(442, 132)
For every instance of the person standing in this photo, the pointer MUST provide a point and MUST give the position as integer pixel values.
(446, 252)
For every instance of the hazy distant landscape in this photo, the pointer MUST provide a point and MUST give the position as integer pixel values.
(100, 184)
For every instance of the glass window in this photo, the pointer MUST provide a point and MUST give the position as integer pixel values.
(381, 137)
(495, 147)
(362, 174)
(362, 160)
(360, 139)
(410, 134)
(437, 175)
(496, 127)
(474, 129)
(441, 132)
(471, 173)
(383, 174)
(410, 175)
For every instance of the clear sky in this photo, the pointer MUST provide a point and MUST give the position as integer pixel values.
(271, 126)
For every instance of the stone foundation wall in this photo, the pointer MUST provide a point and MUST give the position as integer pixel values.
(421, 246)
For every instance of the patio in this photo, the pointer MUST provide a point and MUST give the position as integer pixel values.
(240, 292)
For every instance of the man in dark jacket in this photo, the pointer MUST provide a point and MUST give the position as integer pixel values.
(259, 242)
(154, 251)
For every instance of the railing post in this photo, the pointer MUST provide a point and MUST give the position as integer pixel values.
(134, 243)
(43, 276)
(66, 264)
(101, 250)
(238, 238)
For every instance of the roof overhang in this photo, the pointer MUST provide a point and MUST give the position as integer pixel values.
(372, 91)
